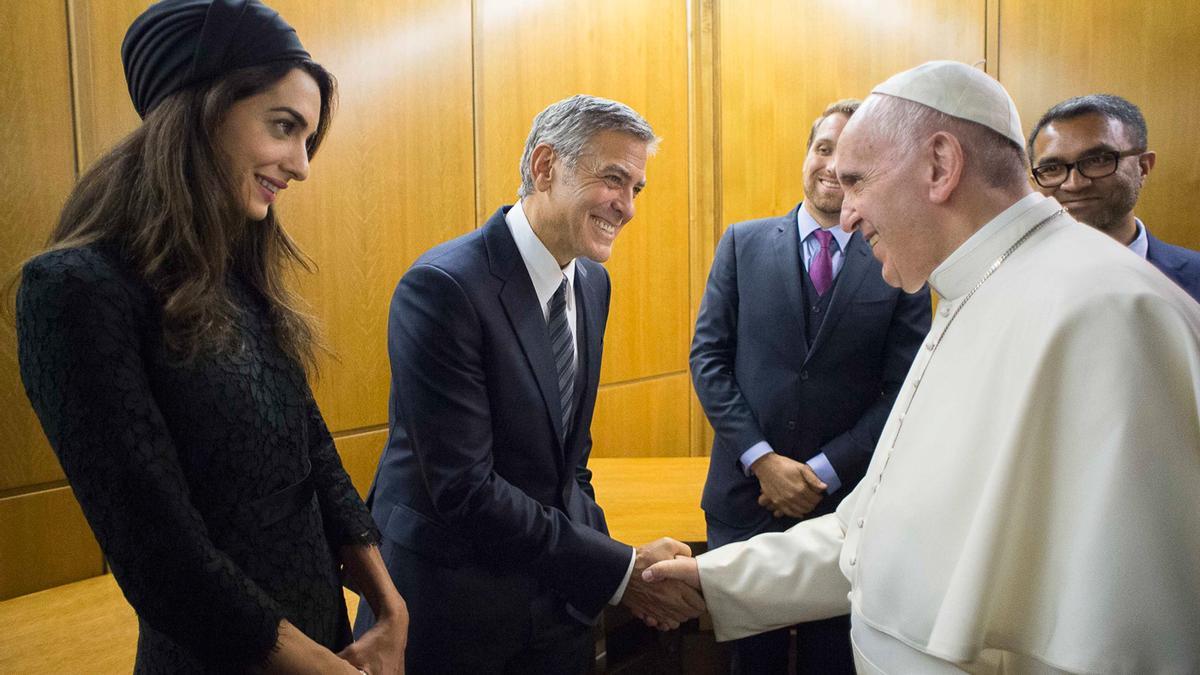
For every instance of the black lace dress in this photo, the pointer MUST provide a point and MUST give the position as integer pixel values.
(213, 488)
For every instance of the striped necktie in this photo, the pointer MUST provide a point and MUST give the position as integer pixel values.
(563, 345)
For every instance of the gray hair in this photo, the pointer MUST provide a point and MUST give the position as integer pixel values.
(569, 124)
(996, 159)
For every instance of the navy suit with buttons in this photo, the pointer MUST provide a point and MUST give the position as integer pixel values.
(774, 361)
(490, 526)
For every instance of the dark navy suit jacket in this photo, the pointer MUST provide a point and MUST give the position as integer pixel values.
(758, 379)
(474, 469)
(1180, 264)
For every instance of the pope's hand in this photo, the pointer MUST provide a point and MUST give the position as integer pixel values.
(789, 488)
(685, 570)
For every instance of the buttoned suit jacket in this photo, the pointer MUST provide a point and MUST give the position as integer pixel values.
(1181, 265)
(474, 469)
(758, 379)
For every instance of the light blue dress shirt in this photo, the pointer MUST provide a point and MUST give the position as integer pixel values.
(1140, 245)
(809, 246)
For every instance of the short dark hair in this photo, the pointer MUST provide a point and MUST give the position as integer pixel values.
(1108, 105)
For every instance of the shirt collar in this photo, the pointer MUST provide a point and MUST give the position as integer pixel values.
(1140, 244)
(970, 261)
(543, 269)
(808, 225)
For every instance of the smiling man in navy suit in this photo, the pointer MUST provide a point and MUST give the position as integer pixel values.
(490, 525)
(799, 351)
(1091, 154)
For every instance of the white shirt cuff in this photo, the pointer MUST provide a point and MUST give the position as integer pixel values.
(616, 598)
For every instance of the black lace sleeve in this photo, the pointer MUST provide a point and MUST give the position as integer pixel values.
(347, 520)
(79, 328)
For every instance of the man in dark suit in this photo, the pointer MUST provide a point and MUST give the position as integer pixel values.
(490, 526)
(1090, 153)
(800, 349)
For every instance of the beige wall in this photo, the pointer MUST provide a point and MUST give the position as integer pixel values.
(436, 99)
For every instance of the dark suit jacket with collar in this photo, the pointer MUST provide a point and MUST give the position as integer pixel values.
(1180, 264)
(758, 379)
(474, 470)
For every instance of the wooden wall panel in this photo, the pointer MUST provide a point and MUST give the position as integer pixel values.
(360, 456)
(36, 171)
(1050, 51)
(45, 542)
(395, 177)
(528, 55)
(646, 418)
(104, 112)
(782, 62)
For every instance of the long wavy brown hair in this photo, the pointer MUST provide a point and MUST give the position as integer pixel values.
(165, 199)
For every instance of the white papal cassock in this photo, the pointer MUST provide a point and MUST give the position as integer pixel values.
(1034, 500)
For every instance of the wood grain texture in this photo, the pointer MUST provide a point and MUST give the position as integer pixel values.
(36, 172)
(104, 113)
(647, 498)
(1050, 51)
(782, 62)
(45, 542)
(528, 55)
(646, 418)
(83, 627)
(704, 186)
(360, 456)
(394, 178)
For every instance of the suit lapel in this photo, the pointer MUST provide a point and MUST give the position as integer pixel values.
(524, 314)
(788, 268)
(1159, 256)
(855, 265)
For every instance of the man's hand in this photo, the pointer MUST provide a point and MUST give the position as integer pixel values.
(789, 488)
(662, 605)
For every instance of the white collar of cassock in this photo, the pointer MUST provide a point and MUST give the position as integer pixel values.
(959, 273)
(544, 271)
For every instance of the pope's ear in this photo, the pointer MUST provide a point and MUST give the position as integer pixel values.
(946, 164)
(541, 163)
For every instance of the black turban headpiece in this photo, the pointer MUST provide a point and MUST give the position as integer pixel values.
(178, 43)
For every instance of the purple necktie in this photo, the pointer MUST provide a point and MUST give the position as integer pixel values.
(820, 268)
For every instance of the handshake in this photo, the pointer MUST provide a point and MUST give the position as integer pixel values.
(664, 589)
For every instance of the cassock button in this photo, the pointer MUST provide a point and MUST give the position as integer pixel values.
(791, 424)
(853, 561)
(817, 309)
(944, 311)
(804, 374)
(900, 417)
(929, 345)
(861, 521)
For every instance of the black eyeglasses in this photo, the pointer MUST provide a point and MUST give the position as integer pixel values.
(1093, 166)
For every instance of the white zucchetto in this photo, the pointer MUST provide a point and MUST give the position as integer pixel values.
(961, 91)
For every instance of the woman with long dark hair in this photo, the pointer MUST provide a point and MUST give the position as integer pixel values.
(167, 360)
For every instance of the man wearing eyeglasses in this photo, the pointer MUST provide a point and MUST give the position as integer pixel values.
(1090, 153)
